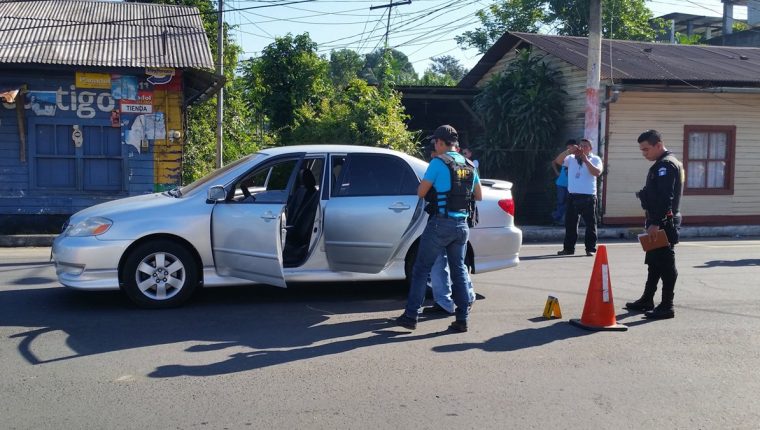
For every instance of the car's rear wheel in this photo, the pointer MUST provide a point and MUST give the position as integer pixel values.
(159, 274)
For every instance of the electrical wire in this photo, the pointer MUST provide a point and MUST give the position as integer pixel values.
(142, 19)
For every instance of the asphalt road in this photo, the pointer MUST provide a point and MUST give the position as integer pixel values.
(326, 356)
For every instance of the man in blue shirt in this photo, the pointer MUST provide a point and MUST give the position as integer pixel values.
(440, 280)
(447, 229)
(559, 214)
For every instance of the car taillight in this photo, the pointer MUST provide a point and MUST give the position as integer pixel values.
(508, 205)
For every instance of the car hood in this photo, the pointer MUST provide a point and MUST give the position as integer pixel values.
(116, 208)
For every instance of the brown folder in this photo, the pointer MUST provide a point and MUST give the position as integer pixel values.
(660, 241)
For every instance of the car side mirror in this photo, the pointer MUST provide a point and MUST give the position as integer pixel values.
(215, 194)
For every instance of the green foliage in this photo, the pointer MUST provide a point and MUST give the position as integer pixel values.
(621, 19)
(391, 67)
(432, 79)
(445, 71)
(360, 114)
(694, 39)
(740, 26)
(306, 99)
(345, 65)
(523, 110)
(500, 17)
(288, 74)
(446, 65)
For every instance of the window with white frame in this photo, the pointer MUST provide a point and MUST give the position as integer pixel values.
(709, 159)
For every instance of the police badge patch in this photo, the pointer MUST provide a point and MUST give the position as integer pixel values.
(662, 172)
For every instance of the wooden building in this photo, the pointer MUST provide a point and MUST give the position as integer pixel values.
(705, 100)
(93, 98)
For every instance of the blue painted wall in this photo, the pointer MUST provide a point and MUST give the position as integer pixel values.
(62, 175)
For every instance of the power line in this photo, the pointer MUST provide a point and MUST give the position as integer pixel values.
(390, 7)
(142, 19)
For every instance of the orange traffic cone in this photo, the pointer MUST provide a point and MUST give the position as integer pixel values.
(599, 310)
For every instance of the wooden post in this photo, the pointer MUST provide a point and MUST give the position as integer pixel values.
(593, 73)
(21, 120)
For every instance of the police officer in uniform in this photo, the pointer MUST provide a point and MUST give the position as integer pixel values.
(449, 185)
(660, 199)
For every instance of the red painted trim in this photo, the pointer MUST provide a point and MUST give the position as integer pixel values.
(689, 220)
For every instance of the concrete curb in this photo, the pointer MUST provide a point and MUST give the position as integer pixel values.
(30, 240)
(557, 234)
(531, 234)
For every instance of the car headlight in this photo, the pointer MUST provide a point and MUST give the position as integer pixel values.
(90, 227)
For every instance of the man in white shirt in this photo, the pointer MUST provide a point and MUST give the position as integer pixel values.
(468, 155)
(583, 168)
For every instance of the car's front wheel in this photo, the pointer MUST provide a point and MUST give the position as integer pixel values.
(159, 274)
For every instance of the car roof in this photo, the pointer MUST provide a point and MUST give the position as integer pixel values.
(280, 150)
(343, 149)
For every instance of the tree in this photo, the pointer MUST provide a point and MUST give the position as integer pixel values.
(345, 66)
(523, 111)
(500, 17)
(288, 74)
(444, 71)
(621, 19)
(306, 100)
(359, 114)
(447, 65)
(391, 66)
(432, 79)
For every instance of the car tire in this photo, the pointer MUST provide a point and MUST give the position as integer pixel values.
(159, 274)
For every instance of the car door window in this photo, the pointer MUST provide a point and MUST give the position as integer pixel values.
(374, 175)
(268, 184)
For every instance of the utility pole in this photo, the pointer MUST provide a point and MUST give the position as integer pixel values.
(390, 5)
(593, 73)
(220, 95)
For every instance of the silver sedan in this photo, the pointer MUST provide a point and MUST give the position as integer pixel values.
(296, 213)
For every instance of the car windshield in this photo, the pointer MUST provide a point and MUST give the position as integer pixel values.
(211, 177)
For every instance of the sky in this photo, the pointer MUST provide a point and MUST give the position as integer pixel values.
(421, 30)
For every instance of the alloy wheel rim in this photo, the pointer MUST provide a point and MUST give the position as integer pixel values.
(160, 276)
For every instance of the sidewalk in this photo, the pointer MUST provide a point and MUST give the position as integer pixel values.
(557, 234)
(531, 234)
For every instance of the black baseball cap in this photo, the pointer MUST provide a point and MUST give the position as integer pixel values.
(446, 133)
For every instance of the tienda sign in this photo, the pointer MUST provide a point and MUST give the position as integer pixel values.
(132, 107)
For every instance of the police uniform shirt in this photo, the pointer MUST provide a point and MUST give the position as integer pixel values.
(579, 179)
(438, 173)
(663, 188)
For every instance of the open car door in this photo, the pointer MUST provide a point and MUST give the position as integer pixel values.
(247, 228)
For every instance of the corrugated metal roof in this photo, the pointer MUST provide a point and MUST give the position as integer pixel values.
(103, 33)
(636, 61)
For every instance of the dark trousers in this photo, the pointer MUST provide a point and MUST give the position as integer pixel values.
(661, 264)
(583, 205)
(559, 214)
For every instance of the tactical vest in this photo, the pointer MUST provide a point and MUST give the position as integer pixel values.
(459, 198)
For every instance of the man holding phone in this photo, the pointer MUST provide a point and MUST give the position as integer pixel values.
(583, 167)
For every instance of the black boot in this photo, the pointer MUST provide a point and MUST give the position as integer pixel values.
(665, 309)
(661, 312)
(645, 303)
